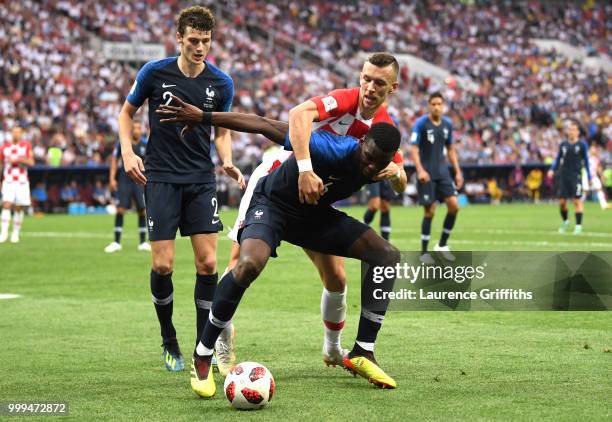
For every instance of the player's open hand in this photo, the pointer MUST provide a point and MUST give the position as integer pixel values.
(183, 113)
(234, 172)
(310, 187)
(134, 168)
(387, 173)
(458, 180)
(423, 176)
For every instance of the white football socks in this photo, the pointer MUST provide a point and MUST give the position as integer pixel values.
(333, 313)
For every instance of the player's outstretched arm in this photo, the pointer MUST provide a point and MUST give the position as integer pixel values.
(191, 115)
(310, 186)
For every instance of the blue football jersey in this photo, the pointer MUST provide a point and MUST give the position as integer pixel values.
(169, 157)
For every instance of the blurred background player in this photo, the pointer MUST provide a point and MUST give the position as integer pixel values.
(596, 176)
(15, 157)
(573, 156)
(180, 184)
(380, 195)
(127, 190)
(430, 134)
(350, 112)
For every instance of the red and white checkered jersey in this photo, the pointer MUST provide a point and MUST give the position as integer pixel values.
(10, 152)
(339, 114)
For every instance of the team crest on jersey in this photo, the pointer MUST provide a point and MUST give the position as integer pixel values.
(577, 149)
(563, 150)
(430, 136)
(209, 101)
(329, 103)
(446, 133)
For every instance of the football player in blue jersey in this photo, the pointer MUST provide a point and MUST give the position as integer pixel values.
(431, 133)
(128, 190)
(277, 212)
(178, 172)
(573, 156)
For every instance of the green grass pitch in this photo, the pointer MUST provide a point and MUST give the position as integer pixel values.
(84, 331)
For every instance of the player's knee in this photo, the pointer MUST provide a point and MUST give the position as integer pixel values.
(453, 208)
(120, 211)
(391, 255)
(387, 255)
(334, 279)
(246, 270)
(162, 267)
(206, 264)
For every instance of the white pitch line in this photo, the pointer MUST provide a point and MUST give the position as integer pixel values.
(533, 243)
(8, 296)
(86, 235)
(521, 232)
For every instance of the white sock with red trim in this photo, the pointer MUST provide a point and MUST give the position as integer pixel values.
(333, 313)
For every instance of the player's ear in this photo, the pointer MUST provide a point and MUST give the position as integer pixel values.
(394, 87)
(179, 37)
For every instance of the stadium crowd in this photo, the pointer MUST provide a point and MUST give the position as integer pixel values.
(68, 95)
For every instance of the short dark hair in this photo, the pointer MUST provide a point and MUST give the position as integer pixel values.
(384, 60)
(197, 17)
(385, 136)
(436, 94)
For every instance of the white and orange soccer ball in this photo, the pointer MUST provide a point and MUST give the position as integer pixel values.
(249, 385)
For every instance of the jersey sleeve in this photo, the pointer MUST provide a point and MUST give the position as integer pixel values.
(415, 137)
(229, 96)
(397, 158)
(327, 147)
(336, 103)
(143, 86)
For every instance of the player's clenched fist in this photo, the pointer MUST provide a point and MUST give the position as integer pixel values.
(310, 187)
(134, 168)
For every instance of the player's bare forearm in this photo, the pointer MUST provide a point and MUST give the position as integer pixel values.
(126, 123)
(300, 128)
(416, 158)
(223, 143)
(274, 130)
(132, 164)
(112, 171)
(452, 156)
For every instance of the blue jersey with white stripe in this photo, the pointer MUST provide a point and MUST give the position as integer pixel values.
(169, 157)
(334, 160)
(431, 140)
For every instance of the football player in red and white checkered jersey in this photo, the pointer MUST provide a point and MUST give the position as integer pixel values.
(349, 112)
(15, 158)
